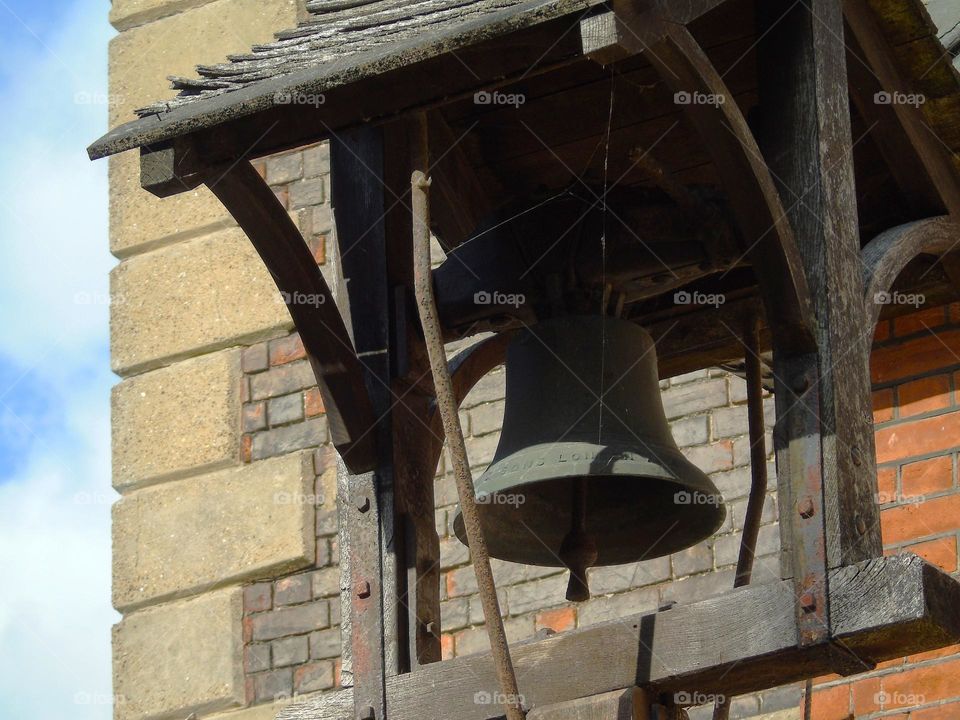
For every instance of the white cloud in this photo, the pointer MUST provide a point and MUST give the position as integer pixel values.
(55, 612)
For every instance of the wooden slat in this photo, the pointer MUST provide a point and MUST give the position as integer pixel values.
(742, 641)
(329, 348)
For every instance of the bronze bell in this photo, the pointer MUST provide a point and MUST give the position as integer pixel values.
(587, 472)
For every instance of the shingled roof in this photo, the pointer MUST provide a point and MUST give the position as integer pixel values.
(341, 42)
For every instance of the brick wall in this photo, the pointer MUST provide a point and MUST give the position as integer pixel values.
(915, 368)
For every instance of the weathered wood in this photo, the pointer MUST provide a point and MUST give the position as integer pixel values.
(882, 609)
(766, 233)
(370, 537)
(631, 704)
(280, 245)
(885, 257)
(807, 142)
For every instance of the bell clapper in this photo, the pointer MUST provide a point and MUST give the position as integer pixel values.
(578, 550)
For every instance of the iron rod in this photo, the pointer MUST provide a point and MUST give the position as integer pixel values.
(758, 471)
(447, 406)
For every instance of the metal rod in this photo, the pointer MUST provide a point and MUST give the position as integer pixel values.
(447, 406)
(758, 471)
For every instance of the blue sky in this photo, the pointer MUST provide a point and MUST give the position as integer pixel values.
(55, 493)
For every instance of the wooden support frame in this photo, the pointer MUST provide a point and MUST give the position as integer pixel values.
(882, 609)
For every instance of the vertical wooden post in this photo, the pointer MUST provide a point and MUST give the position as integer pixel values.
(367, 531)
(807, 142)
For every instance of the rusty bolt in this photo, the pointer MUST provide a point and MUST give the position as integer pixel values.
(431, 628)
(363, 589)
(363, 504)
(861, 526)
(808, 603)
(805, 507)
(367, 713)
(856, 455)
(800, 384)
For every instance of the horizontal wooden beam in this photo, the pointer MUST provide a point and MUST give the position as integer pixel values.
(742, 641)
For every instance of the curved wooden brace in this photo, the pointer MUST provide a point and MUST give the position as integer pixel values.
(885, 257)
(280, 245)
(756, 203)
(467, 369)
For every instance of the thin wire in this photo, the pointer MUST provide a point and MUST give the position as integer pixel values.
(603, 254)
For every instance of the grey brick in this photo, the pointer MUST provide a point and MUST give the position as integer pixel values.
(321, 220)
(254, 417)
(480, 450)
(601, 609)
(273, 685)
(282, 380)
(691, 431)
(326, 582)
(476, 607)
(537, 595)
(781, 698)
(711, 458)
(307, 192)
(291, 590)
(298, 619)
(617, 578)
(289, 651)
(689, 377)
(453, 553)
(313, 677)
(287, 439)
(257, 597)
(729, 422)
(284, 168)
(316, 160)
(698, 587)
(325, 644)
(738, 509)
(254, 358)
(323, 552)
(327, 522)
(445, 491)
(285, 409)
(489, 389)
(741, 448)
(256, 657)
(694, 397)
(335, 612)
(696, 559)
(454, 614)
(486, 418)
(475, 640)
(733, 484)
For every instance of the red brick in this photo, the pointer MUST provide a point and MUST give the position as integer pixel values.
(865, 696)
(887, 485)
(927, 477)
(832, 703)
(446, 646)
(883, 405)
(246, 448)
(314, 403)
(921, 685)
(919, 321)
(917, 520)
(941, 552)
(286, 350)
(337, 669)
(882, 331)
(934, 654)
(918, 437)
(318, 247)
(558, 620)
(918, 357)
(942, 712)
(924, 395)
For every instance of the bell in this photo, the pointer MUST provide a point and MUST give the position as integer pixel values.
(587, 472)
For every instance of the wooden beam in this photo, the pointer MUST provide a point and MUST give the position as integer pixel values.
(339, 372)
(885, 257)
(765, 230)
(741, 641)
(806, 139)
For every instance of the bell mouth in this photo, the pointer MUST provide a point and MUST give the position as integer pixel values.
(637, 508)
